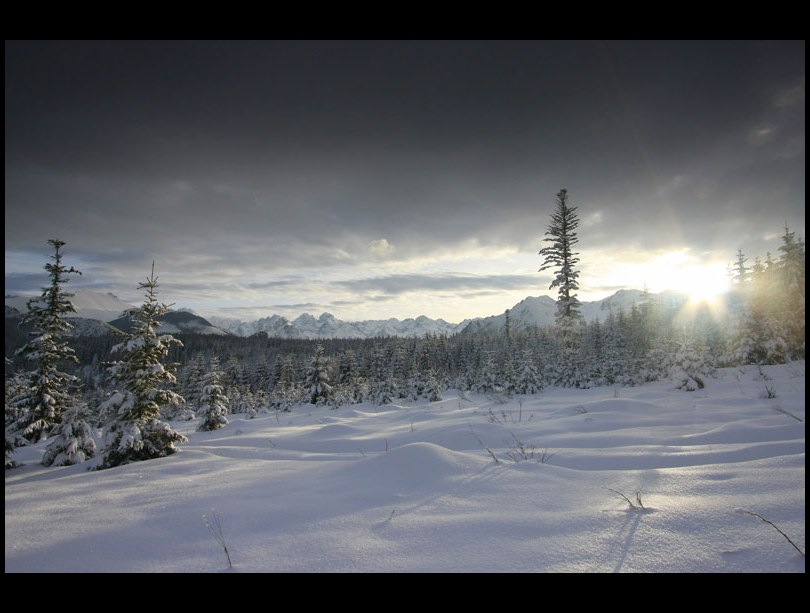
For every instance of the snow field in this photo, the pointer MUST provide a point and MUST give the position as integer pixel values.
(315, 490)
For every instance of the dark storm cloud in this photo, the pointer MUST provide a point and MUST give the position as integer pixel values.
(234, 160)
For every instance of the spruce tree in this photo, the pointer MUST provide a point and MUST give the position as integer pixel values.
(561, 257)
(71, 441)
(17, 390)
(759, 338)
(317, 382)
(136, 432)
(191, 379)
(791, 281)
(528, 380)
(690, 364)
(287, 390)
(50, 390)
(10, 447)
(740, 269)
(348, 374)
(383, 387)
(433, 388)
(213, 401)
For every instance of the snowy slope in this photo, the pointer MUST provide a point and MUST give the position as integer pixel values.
(91, 327)
(328, 326)
(412, 488)
(89, 305)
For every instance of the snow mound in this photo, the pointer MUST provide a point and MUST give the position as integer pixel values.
(413, 467)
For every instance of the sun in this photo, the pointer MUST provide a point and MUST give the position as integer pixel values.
(707, 285)
(685, 273)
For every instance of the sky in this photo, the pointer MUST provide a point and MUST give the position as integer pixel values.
(377, 179)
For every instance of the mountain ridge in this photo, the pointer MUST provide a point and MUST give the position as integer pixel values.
(541, 310)
(530, 312)
(307, 326)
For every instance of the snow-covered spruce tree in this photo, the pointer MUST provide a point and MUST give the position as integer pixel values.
(71, 440)
(561, 257)
(791, 315)
(10, 447)
(528, 380)
(317, 382)
(213, 401)
(758, 337)
(383, 387)
(262, 377)
(16, 388)
(51, 390)
(287, 392)
(192, 377)
(136, 432)
(349, 376)
(690, 364)
(488, 376)
(433, 388)
(414, 387)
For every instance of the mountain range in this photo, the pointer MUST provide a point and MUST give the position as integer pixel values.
(328, 326)
(96, 313)
(541, 310)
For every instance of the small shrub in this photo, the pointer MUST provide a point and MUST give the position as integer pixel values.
(635, 506)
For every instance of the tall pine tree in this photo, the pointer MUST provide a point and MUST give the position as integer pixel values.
(561, 257)
(50, 390)
(136, 431)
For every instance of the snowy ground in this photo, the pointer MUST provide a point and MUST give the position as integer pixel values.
(412, 488)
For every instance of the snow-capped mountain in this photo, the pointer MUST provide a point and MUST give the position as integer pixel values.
(93, 309)
(175, 322)
(529, 312)
(328, 326)
(88, 305)
(541, 310)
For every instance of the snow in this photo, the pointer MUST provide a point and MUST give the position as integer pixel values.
(412, 488)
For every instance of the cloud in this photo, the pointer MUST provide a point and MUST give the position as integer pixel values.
(262, 176)
(342, 254)
(381, 247)
(790, 96)
(273, 284)
(404, 283)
